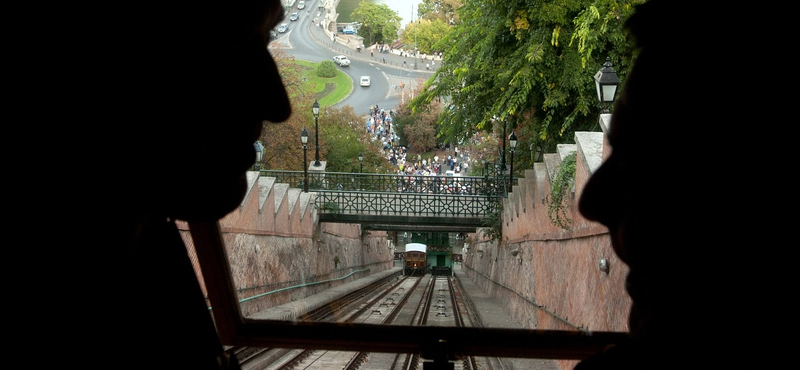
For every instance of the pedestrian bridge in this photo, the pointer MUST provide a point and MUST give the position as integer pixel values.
(394, 202)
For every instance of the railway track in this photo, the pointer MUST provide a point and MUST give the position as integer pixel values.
(422, 300)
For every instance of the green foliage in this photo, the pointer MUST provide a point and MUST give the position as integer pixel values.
(379, 23)
(330, 207)
(529, 62)
(424, 34)
(417, 129)
(343, 137)
(561, 188)
(326, 69)
(493, 223)
(445, 10)
(303, 86)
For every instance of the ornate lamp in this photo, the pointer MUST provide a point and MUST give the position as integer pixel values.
(315, 110)
(304, 140)
(606, 82)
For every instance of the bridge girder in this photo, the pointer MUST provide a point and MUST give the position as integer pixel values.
(399, 222)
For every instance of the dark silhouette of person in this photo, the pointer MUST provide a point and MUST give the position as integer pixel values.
(673, 201)
(150, 111)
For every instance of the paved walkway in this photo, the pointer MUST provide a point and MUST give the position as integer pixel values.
(493, 315)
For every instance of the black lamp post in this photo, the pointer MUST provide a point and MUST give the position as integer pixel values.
(512, 143)
(503, 154)
(304, 140)
(606, 82)
(315, 110)
(361, 162)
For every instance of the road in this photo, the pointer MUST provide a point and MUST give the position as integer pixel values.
(306, 41)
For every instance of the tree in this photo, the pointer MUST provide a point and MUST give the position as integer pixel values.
(341, 135)
(418, 128)
(528, 64)
(291, 73)
(282, 147)
(379, 23)
(444, 10)
(424, 34)
(345, 138)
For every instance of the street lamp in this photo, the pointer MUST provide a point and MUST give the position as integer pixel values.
(361, 162)
(304, 140)
(259, 154)
(606, 82)
(503, 153)
(315, 110)
(416, 52)
(512, 143)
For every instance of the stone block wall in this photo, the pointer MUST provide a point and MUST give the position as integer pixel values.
(280, 253)
(547, 276)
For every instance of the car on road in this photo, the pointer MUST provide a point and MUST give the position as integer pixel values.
(341, 60)
(301, 4)
(349, 30)
(365, 80)
(283, 27)
(294, 16)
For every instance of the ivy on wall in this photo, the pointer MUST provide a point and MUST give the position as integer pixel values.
(330, 207)
(560, 190)
(493, 223)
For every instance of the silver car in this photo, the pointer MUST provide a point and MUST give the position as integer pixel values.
(341, 60)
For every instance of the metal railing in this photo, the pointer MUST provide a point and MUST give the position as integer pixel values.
(400, 204)
(488, 186)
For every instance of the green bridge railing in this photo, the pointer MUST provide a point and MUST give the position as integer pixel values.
(392, 183)
(456, 203)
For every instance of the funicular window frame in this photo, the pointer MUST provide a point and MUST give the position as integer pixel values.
(431, 342)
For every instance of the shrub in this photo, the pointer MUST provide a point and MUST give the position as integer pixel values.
(326, 69)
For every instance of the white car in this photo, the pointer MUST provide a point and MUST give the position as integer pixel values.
(365, 80)
(283, 27)
(341, 60)
(301, 4)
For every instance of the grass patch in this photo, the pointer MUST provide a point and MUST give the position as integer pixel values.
(329, 91)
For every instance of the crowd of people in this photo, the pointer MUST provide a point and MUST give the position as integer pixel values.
(380, 126)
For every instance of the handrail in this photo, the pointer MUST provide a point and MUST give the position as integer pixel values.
(489, 186)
